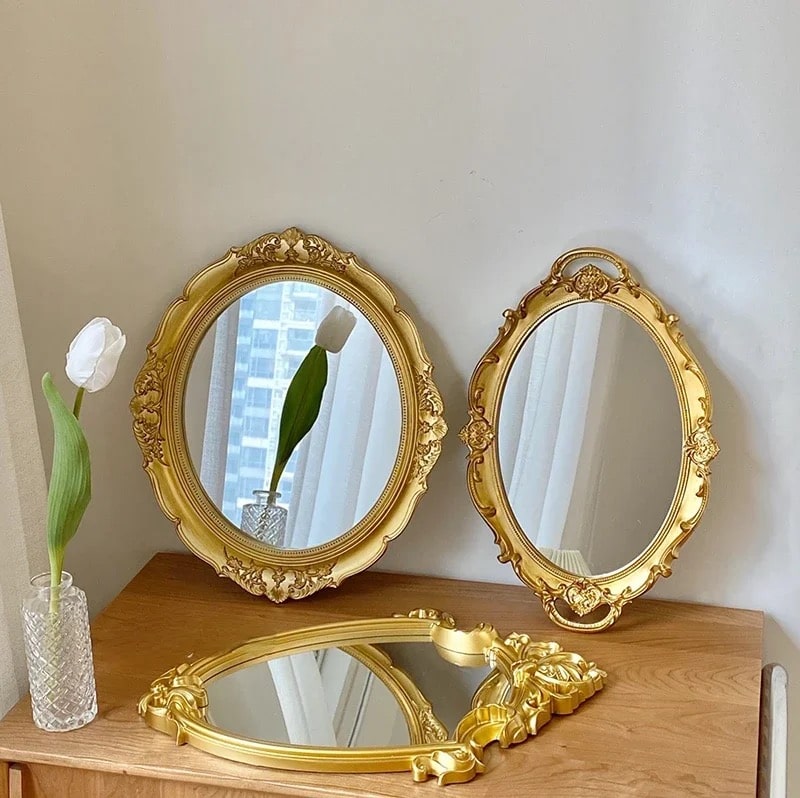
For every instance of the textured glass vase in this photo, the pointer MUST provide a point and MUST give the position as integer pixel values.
(58, 648)
(265, 519)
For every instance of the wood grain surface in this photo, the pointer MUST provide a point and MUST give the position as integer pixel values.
(678, 717)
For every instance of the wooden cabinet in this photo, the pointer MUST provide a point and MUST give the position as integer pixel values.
(678, 716)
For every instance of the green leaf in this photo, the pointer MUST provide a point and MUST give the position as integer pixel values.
(70, 479)
(301, 407)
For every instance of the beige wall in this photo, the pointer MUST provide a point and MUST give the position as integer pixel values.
(458, 147)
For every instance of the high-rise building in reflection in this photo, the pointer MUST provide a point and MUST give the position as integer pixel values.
(276, 328)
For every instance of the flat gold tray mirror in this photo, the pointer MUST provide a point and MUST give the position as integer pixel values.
(208, 409)
(590, 439)
(411, 692)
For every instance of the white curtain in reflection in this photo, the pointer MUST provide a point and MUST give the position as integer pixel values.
(303, 700)
(355, 437)
(22, 489)
(543, 433)
(215, 436)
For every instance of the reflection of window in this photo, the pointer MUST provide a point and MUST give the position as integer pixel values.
(258, 397)
(239, 384)
(268, 302)
(290, 364)
(304, 290)
(256, 426)
(262, 367)
(253, 457)
(265, 339)
(305, 309)
(247, 485)
(299, 339)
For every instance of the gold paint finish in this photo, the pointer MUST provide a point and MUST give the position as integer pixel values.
(158, 416)
(530, 682)
(586, 594)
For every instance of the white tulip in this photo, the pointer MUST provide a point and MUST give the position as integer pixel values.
(93, 355)
(335, 329)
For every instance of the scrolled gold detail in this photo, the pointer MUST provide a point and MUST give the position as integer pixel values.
(432, 426)
(146, 406)
(447, 767)
(702, 448)
(590, 282)
(583, 596)
(276, 583)
(477, 434)
(433, 730)
(292, 246)
(176, 689)
(427, 614)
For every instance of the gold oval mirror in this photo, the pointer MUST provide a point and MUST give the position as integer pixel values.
(590, 442)
(212, 417)
(411, 692)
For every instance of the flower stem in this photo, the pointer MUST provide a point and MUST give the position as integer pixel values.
(56, 566)
(76, 408)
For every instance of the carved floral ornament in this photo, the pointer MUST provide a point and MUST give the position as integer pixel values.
(477, 434)
(606, 278)
(278, 574)
(291, 246)
(530, 682)
(702, 448)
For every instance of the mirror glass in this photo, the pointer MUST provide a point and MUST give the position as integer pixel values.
(589, 438)
(235, 398)
(327, 698)
(448, 687)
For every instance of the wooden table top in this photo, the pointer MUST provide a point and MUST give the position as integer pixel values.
(678, 716)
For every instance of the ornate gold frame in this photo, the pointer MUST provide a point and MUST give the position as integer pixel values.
(530, 682)
(585, 595)
(158, 421)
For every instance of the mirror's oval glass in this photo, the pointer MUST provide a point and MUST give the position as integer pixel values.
(235, 398)
(589, 438)
(330, 697)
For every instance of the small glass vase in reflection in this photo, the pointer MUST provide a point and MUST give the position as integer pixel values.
(264, 519)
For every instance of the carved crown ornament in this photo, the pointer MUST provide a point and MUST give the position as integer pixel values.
(292, 246)
(158, 423)
(529, 683)
(578, 601)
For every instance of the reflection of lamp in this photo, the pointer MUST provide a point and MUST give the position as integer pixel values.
(569, 559)
(265, 519)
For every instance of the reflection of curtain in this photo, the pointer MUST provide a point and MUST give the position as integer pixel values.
(301, 694)
(215, 440)
(543, 421)
(344, 462)
(22, 489)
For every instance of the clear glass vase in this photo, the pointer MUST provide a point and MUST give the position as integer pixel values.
(265, 519)
(58, 648)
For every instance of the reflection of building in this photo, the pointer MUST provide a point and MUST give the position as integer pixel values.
(277, 324)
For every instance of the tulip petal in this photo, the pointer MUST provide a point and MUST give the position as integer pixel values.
(335, 329)
(106, 366)
(94, 353)
(85, 349)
